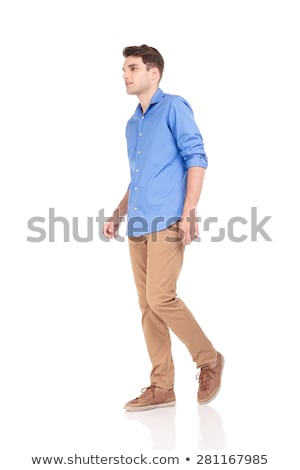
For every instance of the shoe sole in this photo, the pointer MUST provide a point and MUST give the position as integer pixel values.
(218, 389)
(149, 407)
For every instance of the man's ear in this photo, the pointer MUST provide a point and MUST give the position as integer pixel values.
(155, 74)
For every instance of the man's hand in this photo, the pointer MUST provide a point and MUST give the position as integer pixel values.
(111, 226)
(188, 228)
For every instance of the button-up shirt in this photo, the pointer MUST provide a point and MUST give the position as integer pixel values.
(162, 144)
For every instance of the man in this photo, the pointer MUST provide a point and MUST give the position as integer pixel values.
(167, 165)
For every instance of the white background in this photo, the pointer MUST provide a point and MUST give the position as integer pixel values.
(72, 349)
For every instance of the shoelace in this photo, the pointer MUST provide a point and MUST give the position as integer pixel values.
(204, 377)
(147, 390)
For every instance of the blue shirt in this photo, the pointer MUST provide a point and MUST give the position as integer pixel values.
(162, 144)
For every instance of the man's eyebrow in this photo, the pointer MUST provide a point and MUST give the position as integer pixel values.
(131, 65)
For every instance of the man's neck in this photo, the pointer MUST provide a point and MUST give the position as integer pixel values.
(146, 98)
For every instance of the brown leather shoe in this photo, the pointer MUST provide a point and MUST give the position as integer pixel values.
(210, 381)
(152, 397)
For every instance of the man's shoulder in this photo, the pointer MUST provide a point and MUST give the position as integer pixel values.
(173, 97)
(176, 100)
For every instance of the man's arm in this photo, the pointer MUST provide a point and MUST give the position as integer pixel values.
(112, 225)
(190, 143)
(188, 226)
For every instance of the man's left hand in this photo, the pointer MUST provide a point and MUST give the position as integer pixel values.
(188, 228)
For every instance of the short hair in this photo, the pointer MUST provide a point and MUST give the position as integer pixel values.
(150, 56)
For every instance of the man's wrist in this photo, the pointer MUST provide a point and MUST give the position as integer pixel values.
(188, 211)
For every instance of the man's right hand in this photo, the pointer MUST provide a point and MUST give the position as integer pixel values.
(111, 227)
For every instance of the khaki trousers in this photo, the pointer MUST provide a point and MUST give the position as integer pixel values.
(156, 260)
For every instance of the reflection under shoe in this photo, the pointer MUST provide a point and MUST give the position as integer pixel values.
(211, 429)
(161, 423)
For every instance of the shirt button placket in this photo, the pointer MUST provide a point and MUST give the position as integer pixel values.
(139, 136)
(140, 133)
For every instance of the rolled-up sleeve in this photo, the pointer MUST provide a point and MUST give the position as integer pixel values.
(186, 133)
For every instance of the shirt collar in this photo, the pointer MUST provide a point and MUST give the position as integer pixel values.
(158, 95)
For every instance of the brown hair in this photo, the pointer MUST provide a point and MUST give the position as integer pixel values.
(149, 55)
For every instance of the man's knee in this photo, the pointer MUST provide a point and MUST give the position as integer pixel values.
(143, 303)
(158, 302)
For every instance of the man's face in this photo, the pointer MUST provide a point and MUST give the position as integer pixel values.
(137, 78)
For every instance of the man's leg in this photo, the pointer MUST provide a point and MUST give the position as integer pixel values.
(165, 257)
(155, 329)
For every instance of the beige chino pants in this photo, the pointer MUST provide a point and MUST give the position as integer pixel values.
(156, 260)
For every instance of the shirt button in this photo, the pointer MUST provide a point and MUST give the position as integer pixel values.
(139, 152)
(140, 134)
(142, 117)
(136, 188)
(135, 208)
(136, 170)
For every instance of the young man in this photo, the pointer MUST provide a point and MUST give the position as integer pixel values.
(167, 165)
